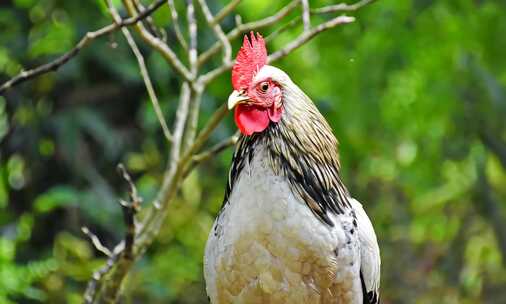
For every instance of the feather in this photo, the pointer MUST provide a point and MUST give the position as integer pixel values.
(370, 262)
(303, 148)
(293, 162)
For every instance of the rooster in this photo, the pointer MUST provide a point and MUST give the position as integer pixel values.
(288, 230)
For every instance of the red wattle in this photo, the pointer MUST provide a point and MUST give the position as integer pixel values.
(251, 119)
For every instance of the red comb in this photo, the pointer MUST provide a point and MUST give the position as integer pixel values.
(250, 58)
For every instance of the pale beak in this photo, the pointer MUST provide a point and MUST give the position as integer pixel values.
(236, 98)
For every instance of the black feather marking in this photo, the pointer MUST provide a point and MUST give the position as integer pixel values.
(369, 297)
(243, 153)
(313, 176)
(365, 297)
(310, 174)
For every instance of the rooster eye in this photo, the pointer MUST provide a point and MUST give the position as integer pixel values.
(264, 86)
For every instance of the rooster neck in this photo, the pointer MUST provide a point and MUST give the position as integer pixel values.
(303, 149)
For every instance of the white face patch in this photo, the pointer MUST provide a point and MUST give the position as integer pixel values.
(277, 75)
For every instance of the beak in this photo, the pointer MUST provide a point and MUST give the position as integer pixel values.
(236, 98)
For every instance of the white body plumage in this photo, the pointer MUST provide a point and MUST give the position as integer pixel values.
(269, 246)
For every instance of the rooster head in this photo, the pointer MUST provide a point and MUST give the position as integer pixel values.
(257, 95)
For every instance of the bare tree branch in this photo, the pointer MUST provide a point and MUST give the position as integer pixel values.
(196, 90)
(212, 152)
(342, 7)
(172, 178)
(96, 242)
(204, 134)
(306, 18)
(238, 20)
(225, 12)
(302, 39)
(306, 36)
(110, 277)
(85, 40)
(219, 147)
(192, 28)
(227, 49)
(175, 21)
(107, 290)
(193, 117)
(246, 27)
(181, 117)
(96, 280)
(159, 45)
(145, 76)
(210, 76)
(252, 26)
(105, 284)
(150, 24)
(152, 222)
(184, 154)
(130, 209)
(318, 11)
(283, 28)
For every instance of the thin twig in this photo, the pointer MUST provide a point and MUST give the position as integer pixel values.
(218, 31)
(106, 289)
(85, 40)
(175, 21)
(212, 152)
(144, 74)
(180, 121)
(283, 28)
(211, 75)
(149, 85)
(306, 36)
(193, 117)
(96, 279)
(216, 149)
(172, 178)
(306, 18)
(159, 45)
(246, 27)
(129, 213)
(302, 39)
(150, 24)
(133, 194)
(238, 20)
(204, 134)
(323, 10)
(341, 7)
(192, 29)
(96, 242)
(196, 91)
(255, 25)
(225, 11)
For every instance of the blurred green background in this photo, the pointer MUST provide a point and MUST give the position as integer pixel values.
(414, 90)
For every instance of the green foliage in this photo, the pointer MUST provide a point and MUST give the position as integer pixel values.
(56, 197)
(410, 89)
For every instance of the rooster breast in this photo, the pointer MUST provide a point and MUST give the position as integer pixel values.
(267, 246)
